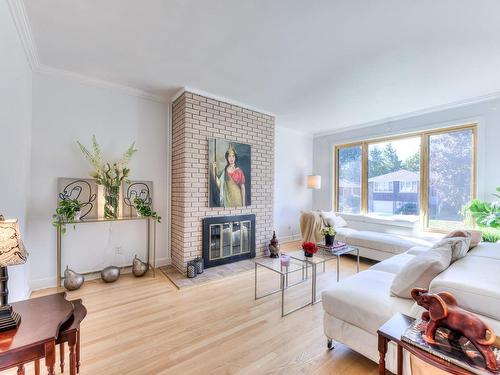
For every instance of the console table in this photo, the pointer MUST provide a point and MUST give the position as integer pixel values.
(150, 243)
(41, 319)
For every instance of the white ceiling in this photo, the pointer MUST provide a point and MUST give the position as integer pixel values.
(319, 65)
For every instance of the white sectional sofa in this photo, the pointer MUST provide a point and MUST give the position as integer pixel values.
(357, 306)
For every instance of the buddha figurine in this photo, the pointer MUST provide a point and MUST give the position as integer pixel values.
(274, 247)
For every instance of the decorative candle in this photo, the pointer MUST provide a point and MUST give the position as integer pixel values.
(285, 260)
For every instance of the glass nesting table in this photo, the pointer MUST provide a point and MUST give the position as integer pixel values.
(323, 255)
(284, 271)
(300, 263)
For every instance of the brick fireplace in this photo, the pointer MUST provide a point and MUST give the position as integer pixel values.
(195, 119)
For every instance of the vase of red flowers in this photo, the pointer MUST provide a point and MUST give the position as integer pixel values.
(309, 248)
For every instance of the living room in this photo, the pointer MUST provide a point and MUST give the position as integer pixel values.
(246, 187)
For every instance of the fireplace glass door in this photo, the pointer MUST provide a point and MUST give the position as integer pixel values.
(229, 239)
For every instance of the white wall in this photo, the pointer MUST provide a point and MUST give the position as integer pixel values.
(293, 162)
(15, 134)
(486, 113)
(66, 109)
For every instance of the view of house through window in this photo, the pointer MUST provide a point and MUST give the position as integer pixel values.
(394, 177)
(349, 182)
(392, 181)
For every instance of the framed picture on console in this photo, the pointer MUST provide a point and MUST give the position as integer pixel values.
(229, 173)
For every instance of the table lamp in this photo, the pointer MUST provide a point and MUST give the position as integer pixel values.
(12, 252)
(314, 181)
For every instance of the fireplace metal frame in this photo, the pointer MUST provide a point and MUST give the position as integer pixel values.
(208, 221)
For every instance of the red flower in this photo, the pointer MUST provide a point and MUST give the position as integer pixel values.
(310, 247)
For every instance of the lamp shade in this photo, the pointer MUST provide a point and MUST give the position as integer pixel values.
(314, 181)
(12, 250)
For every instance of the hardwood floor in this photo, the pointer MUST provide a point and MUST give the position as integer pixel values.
(147, 326)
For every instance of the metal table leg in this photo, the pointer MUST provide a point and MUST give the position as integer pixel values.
(313, 266)
(357, 252)
(338, 268)
(255, 281)
(282, 296)
(286, 277)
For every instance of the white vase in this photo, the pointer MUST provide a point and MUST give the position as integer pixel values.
(77, 216)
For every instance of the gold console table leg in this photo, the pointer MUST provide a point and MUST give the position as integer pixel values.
(58, 261)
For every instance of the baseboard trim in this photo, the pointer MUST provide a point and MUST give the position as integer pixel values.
(292, 238)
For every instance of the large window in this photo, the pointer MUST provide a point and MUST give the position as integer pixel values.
(430, 175)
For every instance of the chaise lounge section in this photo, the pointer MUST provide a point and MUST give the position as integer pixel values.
(357, 306)
(377, 239)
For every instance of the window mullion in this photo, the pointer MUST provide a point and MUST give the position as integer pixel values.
(364, 178)
(424, 181)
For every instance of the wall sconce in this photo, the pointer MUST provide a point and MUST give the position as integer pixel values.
(314, 182)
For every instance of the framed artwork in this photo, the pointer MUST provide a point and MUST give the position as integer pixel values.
(229, 173)
(136, 189)
(83, 189)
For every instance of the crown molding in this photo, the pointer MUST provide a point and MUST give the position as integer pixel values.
(21, 21)
(45, 69)
(420, 112)
(219, 98)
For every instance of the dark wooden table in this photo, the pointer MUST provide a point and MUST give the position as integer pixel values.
(41, 319)
(392, 330)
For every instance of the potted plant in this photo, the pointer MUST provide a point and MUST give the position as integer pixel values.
(143, 209)
(487, 216)
(67, 211)
(329, 234)
(309, 248)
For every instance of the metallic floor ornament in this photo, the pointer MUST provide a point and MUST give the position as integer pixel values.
(139, 268)
(73, 280)
(110, 274)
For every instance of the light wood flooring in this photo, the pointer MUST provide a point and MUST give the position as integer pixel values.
(147, 326)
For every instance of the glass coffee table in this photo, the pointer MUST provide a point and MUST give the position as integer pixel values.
(321, 257)
(275, 265)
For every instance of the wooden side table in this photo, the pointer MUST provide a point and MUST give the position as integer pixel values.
(70, 333)
(392, 330)
(36, 336)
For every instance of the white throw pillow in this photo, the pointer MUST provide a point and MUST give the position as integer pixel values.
(459, 246)
(340, 222)
(421, 270)
(332, 220)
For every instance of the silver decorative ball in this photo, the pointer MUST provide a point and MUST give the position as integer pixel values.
(72, 280)
(139, 268)
(110, 274)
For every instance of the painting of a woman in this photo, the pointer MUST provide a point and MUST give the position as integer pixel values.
(228, 176)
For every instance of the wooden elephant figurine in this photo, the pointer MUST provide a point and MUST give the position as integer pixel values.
(443, 311)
